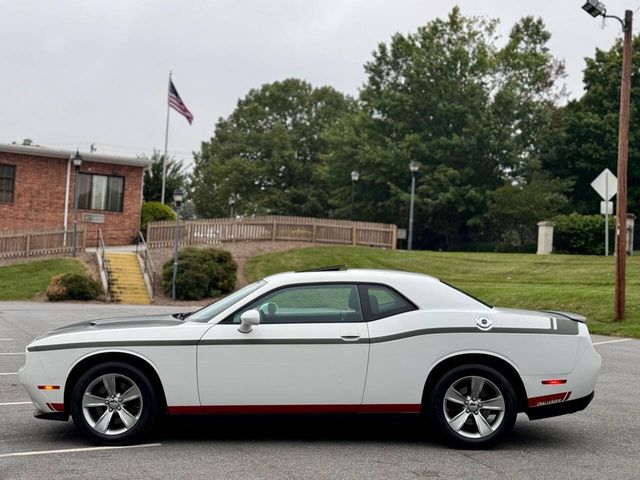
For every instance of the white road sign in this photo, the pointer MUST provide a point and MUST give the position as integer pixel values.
(606, 184)
(606, 208)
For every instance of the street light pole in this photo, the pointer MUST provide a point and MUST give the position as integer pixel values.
(232, 202)
(77, 161)
(355, 175)
(595, 9)
(178, 196)
(413, 166)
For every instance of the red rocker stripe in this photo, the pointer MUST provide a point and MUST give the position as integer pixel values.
(285, 409)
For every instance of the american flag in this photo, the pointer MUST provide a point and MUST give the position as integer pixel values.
(176, 103)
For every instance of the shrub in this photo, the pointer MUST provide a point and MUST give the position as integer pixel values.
(581, 234)
(155, 212)
(55, 291)
(206, 272)
(73, 286)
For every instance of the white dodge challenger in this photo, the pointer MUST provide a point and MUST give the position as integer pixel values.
(323, 341)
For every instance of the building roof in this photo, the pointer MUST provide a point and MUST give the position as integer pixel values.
(66, 154)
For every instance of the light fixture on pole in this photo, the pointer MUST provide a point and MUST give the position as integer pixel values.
(77, 161)
(595, 9)
(178, 198)
(355, 175)
(414, 166)
(232, 202)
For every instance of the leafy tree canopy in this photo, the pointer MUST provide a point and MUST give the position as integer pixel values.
(471, 113)
(586, 138)
(269, 152)
(175, 177)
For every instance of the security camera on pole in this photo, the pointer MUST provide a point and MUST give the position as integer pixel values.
(606, 184)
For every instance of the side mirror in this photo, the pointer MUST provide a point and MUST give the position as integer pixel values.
(248, 319)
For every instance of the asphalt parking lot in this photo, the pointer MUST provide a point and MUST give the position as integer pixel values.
(603, 442)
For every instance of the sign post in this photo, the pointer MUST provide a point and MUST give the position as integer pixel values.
(606, 184)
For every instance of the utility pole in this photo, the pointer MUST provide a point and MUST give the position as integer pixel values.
(595, 8)
(623, 151)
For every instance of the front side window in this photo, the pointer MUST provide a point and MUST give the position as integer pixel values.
(331, 303)
(7, 183)
(381, 302)
(100, 192)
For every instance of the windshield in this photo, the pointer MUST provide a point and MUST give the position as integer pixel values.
(207, 313)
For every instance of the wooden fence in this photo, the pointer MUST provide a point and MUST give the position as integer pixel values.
(39, 243)
(272, 228)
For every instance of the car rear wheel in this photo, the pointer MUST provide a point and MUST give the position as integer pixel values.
(474, 406)
(114, 403)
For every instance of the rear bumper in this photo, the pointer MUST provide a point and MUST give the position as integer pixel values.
(561, 408)
(61, 416)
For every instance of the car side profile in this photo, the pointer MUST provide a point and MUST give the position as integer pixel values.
(336, 341)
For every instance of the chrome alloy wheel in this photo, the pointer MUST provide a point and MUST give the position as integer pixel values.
(473, 407)
(112, 404)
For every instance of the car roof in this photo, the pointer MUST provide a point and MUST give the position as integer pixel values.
(347, 275)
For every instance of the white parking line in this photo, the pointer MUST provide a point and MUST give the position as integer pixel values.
(74, 450)
(9, 373)
(613, 341)
(14, 403)
(12, 353)
(6, 339)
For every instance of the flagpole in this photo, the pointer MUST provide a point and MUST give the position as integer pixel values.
(166, 142)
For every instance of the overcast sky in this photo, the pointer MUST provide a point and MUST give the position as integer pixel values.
(91, 71)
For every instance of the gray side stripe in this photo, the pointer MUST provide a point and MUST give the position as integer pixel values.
(565, 327)
(132, 343)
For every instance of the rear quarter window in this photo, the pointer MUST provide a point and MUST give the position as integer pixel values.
(380, 301)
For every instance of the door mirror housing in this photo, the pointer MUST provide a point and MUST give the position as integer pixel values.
(248, 319)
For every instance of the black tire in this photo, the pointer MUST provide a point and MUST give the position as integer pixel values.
(144, 409)
(500, 423)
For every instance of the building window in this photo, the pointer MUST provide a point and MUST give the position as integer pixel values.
(100, 192)
(7, 183)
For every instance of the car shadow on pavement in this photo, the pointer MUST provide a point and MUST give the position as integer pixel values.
(391, 429)
(311, 428)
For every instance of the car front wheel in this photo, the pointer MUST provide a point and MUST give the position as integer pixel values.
(114, 403)
(474, 406)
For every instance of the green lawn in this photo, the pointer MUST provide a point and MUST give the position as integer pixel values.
(577, 283)
(23, 281)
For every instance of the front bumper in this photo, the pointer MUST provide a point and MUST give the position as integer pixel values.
(561, 408)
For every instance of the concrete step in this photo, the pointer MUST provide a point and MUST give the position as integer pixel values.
(126, 281)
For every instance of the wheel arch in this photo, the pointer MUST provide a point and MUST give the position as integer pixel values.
(500, 364)
(97, 358)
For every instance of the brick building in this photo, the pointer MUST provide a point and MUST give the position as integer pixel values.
(37, 187)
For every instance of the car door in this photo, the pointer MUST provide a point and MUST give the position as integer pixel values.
(308, 354)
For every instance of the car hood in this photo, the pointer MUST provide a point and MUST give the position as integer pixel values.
(120, 323)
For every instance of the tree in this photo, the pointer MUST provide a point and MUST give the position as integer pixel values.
(516, 209)
(269, 152)
(471, 113)
(175, 177)
(586, 138)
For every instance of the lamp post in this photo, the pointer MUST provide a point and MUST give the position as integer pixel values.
(77, 161)
(355, 175)
(595, 9)
(178, 197)
(232, 202)
(413, 166)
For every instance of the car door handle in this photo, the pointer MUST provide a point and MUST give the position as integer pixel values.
(350, 337)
